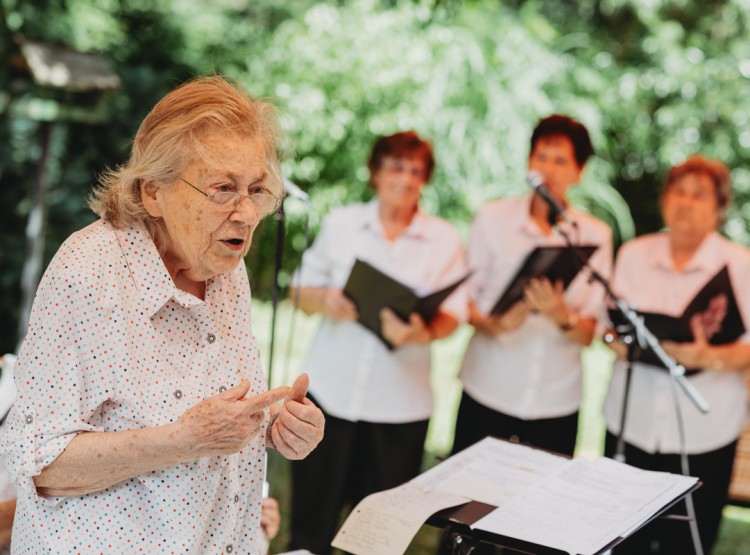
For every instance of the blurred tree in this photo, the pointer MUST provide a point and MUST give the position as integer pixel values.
(653, 80)
(469, 77)
(667, 77)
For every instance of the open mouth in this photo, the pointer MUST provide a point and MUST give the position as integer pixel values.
(234, 242)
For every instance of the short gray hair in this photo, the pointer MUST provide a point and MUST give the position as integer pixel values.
(169, 139)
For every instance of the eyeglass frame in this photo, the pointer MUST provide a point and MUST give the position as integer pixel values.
(238, 197)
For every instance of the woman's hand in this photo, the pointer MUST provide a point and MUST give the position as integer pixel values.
(509, 320)
(297, 426)
(547, 299)
(696, 354)
(611, 340)
(270, 518)
(335, 304)
(225, 423)
(398, 332)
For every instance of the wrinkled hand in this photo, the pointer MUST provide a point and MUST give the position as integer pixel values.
(695, 354)
(546, 298)
(399, 332)
(225, 423)
(270, 518)
(509, 320)
(335, 304)
(298, 428)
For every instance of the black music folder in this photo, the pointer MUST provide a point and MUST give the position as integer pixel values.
(555, 263)
(372, 290)
(716, 306)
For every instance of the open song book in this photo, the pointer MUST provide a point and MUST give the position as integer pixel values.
(714, 308)
(521, 497)
(372, 290)
(554, 263)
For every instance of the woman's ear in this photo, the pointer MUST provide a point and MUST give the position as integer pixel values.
(150, 198)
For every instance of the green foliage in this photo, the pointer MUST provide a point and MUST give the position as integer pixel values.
(654, 81)
(667, 78)
(474, 80)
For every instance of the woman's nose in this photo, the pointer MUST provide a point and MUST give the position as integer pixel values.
(245, 212)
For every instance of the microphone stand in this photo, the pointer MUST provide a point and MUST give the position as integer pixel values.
(280, 217)
(634, 352)
(643, 335)
(641, 339)
(276, 292)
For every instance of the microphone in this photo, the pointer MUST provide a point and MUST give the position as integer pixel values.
(293, 190)
(536, 181)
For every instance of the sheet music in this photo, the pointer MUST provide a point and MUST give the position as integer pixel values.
(384, 523)
(583, 506)
(490, 471)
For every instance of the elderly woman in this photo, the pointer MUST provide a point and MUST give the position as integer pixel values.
(661, 273)
(142, 413)
(377, 401)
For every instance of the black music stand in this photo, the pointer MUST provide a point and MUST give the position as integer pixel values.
(458, 538)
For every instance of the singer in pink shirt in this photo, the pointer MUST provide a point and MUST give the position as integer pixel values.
(521, 372)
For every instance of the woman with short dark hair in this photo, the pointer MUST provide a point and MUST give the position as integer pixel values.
(377, 401)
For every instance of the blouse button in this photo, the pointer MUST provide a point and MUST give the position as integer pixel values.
(236, 498)
(29, 419)
(229, 548)
(211, 338)
(222, 389)
(178, 394)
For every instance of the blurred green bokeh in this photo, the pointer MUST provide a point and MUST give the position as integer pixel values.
(654, 81)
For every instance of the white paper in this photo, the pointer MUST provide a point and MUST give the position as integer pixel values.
(585, 505)
(385, 523)
(490, 471)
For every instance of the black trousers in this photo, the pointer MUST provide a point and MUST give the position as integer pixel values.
(666, 536)
(475, 421)
(353, 460)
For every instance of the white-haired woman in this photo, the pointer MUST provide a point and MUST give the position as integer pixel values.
(142, 413)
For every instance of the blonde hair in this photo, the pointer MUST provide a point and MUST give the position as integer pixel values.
(715, 170)
(169, 139)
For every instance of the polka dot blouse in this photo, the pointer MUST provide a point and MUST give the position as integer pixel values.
(113, 345)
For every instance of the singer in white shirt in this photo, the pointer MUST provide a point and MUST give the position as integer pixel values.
(661, 273)
(377, 401)
(521, 372)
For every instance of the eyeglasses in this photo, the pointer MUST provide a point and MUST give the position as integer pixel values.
(263, 201)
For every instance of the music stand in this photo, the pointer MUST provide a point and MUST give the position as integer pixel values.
(459, 538)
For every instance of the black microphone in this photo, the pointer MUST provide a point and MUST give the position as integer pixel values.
(536, 181)
(293, 190)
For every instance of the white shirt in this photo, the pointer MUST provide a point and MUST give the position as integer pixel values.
(645, 277)
(352, 374)
(113, 345)
(534, 371)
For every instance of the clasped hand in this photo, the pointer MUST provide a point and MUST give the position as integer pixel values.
(546, 298)
(539, 296)
(399, 332)
(227, 422)
(695, 354)
(335, 304)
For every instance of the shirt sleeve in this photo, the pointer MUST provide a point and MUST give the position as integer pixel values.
(63, 373)
(317, 263)
(479, 255)
(740, 268)
(454, 268)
